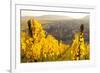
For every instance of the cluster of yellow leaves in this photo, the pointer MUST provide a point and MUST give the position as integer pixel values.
(40, 47)
(79, 49)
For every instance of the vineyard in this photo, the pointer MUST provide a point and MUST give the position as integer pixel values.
(37, 46)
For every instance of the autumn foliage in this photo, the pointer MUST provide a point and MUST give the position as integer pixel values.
(39, 47)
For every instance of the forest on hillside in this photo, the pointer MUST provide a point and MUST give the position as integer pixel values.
(47, 39)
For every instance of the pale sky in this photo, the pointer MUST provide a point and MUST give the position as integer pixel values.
(41, 13)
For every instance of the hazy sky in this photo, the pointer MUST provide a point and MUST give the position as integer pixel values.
(41, 13)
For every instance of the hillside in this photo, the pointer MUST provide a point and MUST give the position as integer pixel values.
(61, 27)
